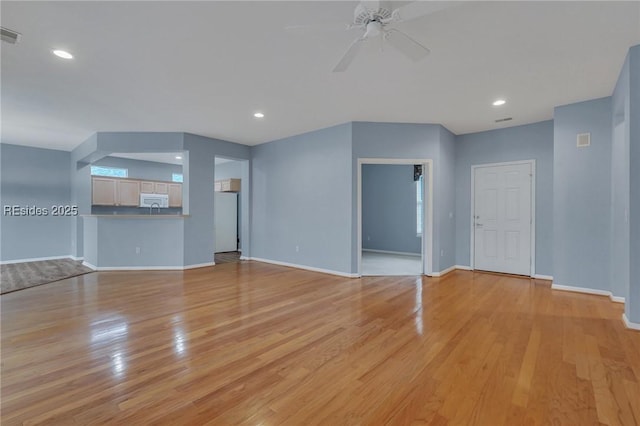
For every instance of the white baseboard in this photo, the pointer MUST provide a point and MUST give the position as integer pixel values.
(542, 277)
(630, 325)
(463, 267)
(35, 259)
(199, 265)
(443, 272)
(89, 265)
(616, 299)
(585, 290)
(245, 258)
(76, 258)
(146, 268)
(400, 253)
(307, 268)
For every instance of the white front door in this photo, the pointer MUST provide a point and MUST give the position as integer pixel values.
(225, 217)
(502, 218)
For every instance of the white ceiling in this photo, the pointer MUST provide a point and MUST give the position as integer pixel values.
(161, 157)
(206, 67)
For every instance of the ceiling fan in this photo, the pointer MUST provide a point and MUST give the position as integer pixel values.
(376, 19)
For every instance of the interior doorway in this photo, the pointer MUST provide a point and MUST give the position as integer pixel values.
(394, 216)
(503, 219)
(230, 213)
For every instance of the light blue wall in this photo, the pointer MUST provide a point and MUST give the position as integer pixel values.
(620, 162)
(633, 302)
(198, 170)
(229, 170)
(389, 208)
(533, 141)
(302, 197)
(403, 141)
(447, 186)
(34, 177)
(146, 170)
(112, 242)
(581, 189)
(199, 227)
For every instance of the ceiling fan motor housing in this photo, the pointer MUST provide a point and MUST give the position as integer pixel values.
(362, 15)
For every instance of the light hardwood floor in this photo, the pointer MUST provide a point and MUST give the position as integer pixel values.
(257, 344)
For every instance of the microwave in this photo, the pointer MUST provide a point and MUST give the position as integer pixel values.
(154, 200)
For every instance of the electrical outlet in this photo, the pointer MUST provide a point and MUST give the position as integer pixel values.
(368, 238)
(137, 250)
(441, 253)
(297, 249)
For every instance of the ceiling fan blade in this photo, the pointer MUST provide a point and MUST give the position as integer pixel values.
(370, 4)
(405, 44)
(318, 28)
(349, 55)
(417, 9)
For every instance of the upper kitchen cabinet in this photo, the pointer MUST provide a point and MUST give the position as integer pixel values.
(103, 191)
(175, 194)
(115, 192)
(148, 187)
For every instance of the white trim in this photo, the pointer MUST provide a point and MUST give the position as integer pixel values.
(89, 265)
(444, 272)
(616, 299)
(139, 268)
(630, 325)
(585, 290)
(427, 196)
(146, 268)
(542, 277)
(305, 267)
(463, 267)
(399, 253)
(532, 266)
(35, 259)
(76, 258)
(199, 265)
(244, 258)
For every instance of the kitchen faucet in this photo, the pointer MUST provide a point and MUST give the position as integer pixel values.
(151, 208)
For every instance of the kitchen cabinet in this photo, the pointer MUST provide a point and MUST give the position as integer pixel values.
(114, 192)
(175, 194)
(227, 185)
(103, 191)
(128, 193)
(148, 187)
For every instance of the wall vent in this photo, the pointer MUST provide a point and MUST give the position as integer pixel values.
(9, 36)
(584, 140)
(500, 120)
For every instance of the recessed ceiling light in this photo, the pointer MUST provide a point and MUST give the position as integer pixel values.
(499, 102)
(178, 157)
(258, 115)
(63, 54)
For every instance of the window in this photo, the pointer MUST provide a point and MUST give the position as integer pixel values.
(176, 177)
(419, 204)
(109, 171)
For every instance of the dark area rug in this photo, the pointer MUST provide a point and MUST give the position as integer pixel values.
(18, 276)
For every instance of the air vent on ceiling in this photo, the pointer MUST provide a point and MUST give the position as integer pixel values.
(500, 120)
(584, 140)
(9, 36)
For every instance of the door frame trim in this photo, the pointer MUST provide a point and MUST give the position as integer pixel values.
(427, 196)
(532, 267)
